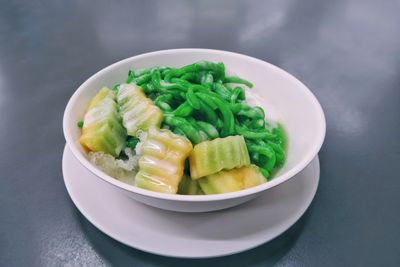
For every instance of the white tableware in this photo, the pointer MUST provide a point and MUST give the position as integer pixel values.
(189, 235)
(283, 97)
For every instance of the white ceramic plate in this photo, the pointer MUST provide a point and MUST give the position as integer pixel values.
(189, 235)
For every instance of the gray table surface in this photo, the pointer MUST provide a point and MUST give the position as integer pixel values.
(347, 52)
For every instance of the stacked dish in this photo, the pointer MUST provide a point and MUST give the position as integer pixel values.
(284, 99)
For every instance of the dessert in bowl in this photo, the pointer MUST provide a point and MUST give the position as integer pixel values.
(193, 135)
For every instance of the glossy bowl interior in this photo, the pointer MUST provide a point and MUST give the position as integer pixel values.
(283, 97)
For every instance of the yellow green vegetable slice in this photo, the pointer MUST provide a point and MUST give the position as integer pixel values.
(163, 160)
(102, 129)
(138, 112)
(232, 180)
(226, 153)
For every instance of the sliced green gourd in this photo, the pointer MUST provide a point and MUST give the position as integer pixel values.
(137, 111)
(232, 180)
(102, 127)
(210, 157)
(189, 187)
(163, 160)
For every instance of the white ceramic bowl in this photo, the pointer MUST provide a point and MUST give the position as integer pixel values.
(283, 97)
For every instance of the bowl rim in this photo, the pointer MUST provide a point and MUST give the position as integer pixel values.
(316, 146)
